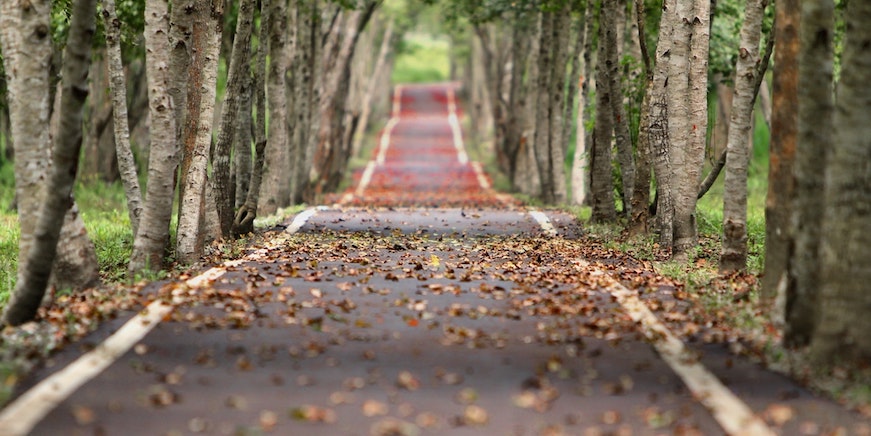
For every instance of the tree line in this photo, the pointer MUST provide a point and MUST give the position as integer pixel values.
(630, 81)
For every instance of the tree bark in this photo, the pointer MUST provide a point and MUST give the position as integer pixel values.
(841, 335)
(197, 137)
(118, 85)
(387, 42)
(237, 76)
(734, 254)
(34, 278)
(542, 141)
(242, 150)
(638, 219)
(620, 122)
(687, 109)
(602, 185)
(243, 223)
(581, 67)
(784, 124)
(815, 135)
(25, 35)
(153, 235)
(658, 131)
(275, 190)
(331, 153)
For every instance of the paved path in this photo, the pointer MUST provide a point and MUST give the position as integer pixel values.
(374, 317)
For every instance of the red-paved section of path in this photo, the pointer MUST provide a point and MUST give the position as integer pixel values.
(450, 317)
(422, 163)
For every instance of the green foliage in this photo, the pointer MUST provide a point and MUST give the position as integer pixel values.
(422, 59)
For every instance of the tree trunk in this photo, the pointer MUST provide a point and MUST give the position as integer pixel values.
(237, 76)
(580, 67)
(687, 109)
(734, 255)
(243, 223)
(197, 138)
(153, 235)
(242, 149)
(118, 85)
(542, 139)
(24, 30)
(34, 278)
(180, 31)
(658, 132)
(638, 219)
(841, 335)
(303, 67)
(387, 42)
(558, 144)
(815, 136)
(275, 190)
(602, 186)
(784, 124)
(331, 153)
(312, 68)
(611, 62)
(514, 145)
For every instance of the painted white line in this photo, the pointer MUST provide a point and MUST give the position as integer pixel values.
(543, 222)
(733, 415)
(457, 132)
(302, 218)
(365, 179)
(20, 417)
(397, 102)
(384, 144)
(482, 178)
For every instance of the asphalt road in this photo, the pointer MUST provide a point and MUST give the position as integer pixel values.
(422, 303)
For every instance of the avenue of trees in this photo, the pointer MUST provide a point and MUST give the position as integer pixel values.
(234, 109)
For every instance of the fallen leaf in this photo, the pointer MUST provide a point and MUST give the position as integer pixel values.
(374, 408)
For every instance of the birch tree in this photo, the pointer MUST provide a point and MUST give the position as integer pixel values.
(231, 115)
(153, 235)
(197, 136)
(734, 255)
(602, 186)
(34, 276)
(275, 191)
(118, 85)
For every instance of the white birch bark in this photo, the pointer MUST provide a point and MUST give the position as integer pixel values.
(153, 235)
(207, 47)
(275, 190)
(118, 85)
(26, 39)
(734, 255)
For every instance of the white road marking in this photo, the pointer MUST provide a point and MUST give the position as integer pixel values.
(385, 140)
(733, 415)
(19, 417)
(301, 218)
(544, 222)
(482, 178)
(457, 132)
